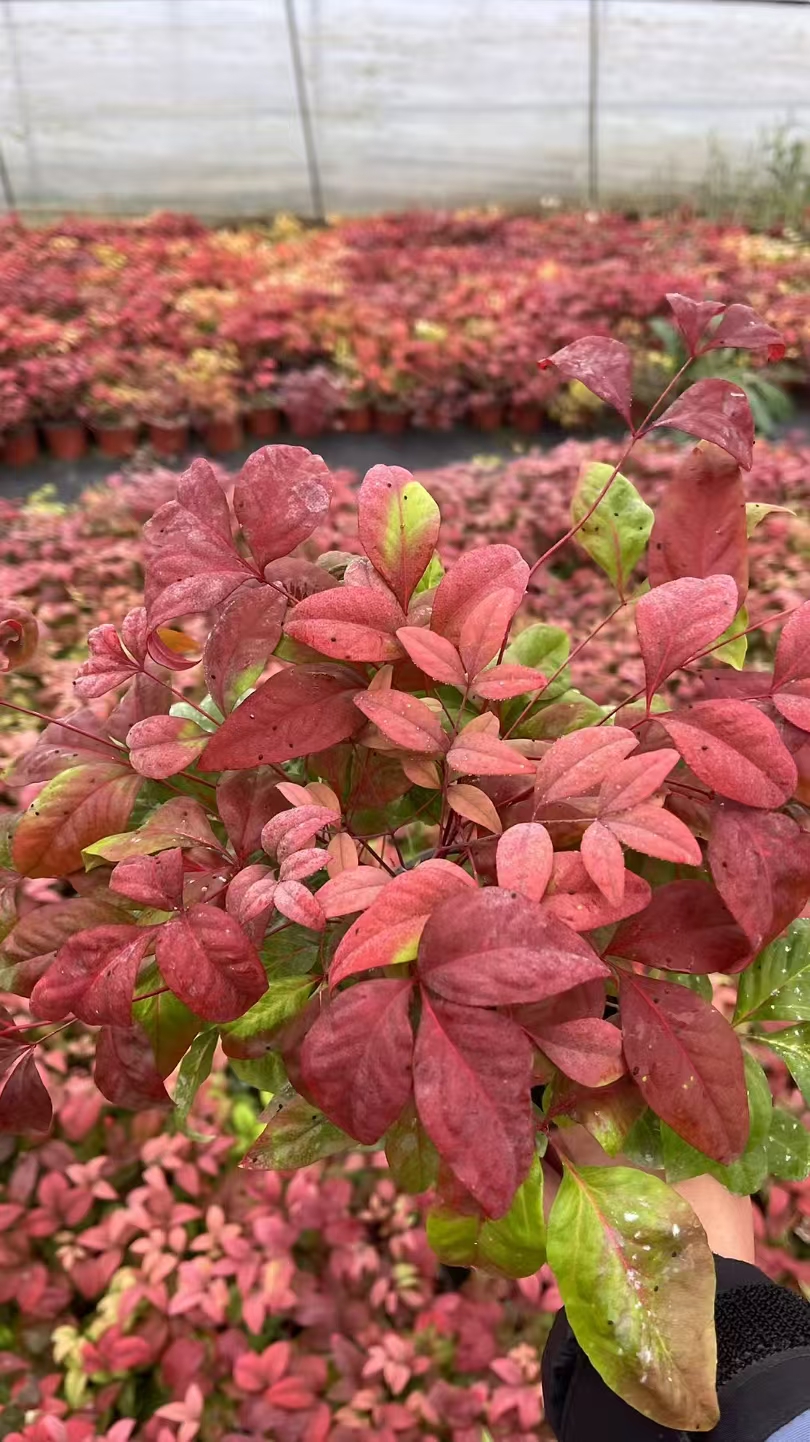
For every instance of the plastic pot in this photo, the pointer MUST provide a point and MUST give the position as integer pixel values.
(264, 422)
(114, 442)
(486, 415)
(356, 420)
(391, 423)
(168, 439)
(67, 440)
(223, 436)
(22, 446)
(526, 417)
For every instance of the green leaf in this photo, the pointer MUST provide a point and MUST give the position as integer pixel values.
(194, 1068)
(546, 648)
(547, 722)
(292, 952)
(643, 1146)
(616, 535)
(8, 822)
(776, 986)
(608, 1113)
(637, 1279)
(788, 1147)
(296, 1135)
(411, 1155)
(748, 1173)
(168, 1023)
(793, 1046)
(266, 1073)
(431, 575)
(756, 511)
(188, 712)
(514, 1246)
(734, 652)
(284, 998)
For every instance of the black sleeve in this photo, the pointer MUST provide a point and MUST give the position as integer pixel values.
(763, 1370)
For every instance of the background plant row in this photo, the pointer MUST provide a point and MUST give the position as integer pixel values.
(430, 315)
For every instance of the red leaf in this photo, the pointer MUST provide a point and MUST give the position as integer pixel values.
(742, 329)
(434, 655)
(294, 829)
(303, 864)
(293, 900)
(570, 1031)
(793, 651)
(283, 493)
(678, 620)
(35, 938)
(125, 1071)
(794, 704)
(250, 899)
(634, 780)
(404, 719)
(155, 881)
(602, 365)
(700, 525)
(108, 666)
(573, 897)
(25, 1105)
(194, 593)
(357, 1060)
(687, 1063)
(524, 860)
(161, 746)
(76, 808)
(492, 568)
(472, 1079)
(735, 749)
(495, 948)
(351, 890)
(686, 927)
(388, 932)
(717, 411)
(179, 822)
(655, 832)
(692, 317)
(93, 976)
(486, 628)
(300, 710)
(241, 641)
(577, 764)
(761, 867)
(480, 753)
(603, 859)
(206, 959)
(246, 801)
(398, 525)
(500, 683)
(352, 623)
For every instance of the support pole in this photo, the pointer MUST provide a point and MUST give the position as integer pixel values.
(313, 168)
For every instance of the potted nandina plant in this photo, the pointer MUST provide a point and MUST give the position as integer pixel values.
(55, 382)
(16, 428)
(209, 382)
(415, 902)
(263, 407)
(164, 403)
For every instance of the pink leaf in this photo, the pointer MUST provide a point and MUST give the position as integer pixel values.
(282, 495)
(109, 665)
(700, 522)
(584, 1047)
(473, 575)
(241, 641)
(352, 623)
(296, 903)
(793, 651)
(398, 526)
(678, 620)
(635, 779)
(472, 1079)
(352, 890)
(603, 859)
(486, 629)
(577, 764)
(735, 749)
(717, 411)
(474, 805)
(494, 948)
(686, 927)
(404, 719)
(93, 976)
(389, 931)
(293, 830)
(500, 683)
(250, 896)
(434, 655)
(655, 832)
(524, 860)
(161, 746)
(602, 365)
(480, 753)
(573, 898)
(761, 867)
(302, 864)
(154, 881)
(357, 1060)
(300, 710)
(794, 704)
(209, 963)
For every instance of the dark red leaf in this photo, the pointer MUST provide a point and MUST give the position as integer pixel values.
(602, 365)
(761, 867)
(472, 1079)
(577, 764)
(25, 1105)
(687, 1063)
(692, 317)
(246, 801)
(686, 927)
(357, 1060)
(717, 411)
(298, 711)
(496, 948)
(209, 963)
(700, 526)
(352, 623)
(154, 881)
(36, 937)
(573, 898)
(680, 619)
(473, 575)
(125, 1071)
(388, 932)
(404, 719)
(241, 641)
(93, 976)
(586, 1049)
(283, 493)
(735, 749)
(742, 329)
